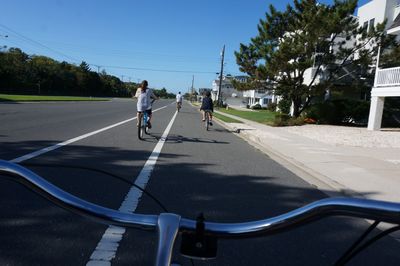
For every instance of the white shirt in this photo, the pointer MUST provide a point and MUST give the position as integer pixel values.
(144, 99)
(178, 98)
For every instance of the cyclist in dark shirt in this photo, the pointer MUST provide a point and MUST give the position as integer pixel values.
(207, 105)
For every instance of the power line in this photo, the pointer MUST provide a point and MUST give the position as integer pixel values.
(38, 43)
(99, 65)
(156, 70)
(124, 53)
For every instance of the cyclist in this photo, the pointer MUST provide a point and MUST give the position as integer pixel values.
(144, 104)
(207, 105)
(179, 100)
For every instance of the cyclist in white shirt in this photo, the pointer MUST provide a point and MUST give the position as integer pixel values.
(144, 103)
(179, 100)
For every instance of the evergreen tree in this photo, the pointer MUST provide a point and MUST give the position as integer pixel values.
(306, 35)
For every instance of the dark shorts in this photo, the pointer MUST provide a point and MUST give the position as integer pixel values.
(149, 112)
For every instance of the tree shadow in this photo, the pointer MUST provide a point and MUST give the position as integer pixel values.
(34, 232)
(174, 138)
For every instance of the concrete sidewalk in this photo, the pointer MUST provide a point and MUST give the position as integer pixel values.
(338, 170)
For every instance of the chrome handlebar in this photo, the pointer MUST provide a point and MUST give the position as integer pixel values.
(169, 225)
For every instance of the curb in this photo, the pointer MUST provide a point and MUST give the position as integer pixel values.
(326, 185)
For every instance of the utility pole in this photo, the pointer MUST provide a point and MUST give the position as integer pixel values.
(220, 76)
(192, 84)
(192, 90)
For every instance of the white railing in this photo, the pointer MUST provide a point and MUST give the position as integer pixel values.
(388, 77)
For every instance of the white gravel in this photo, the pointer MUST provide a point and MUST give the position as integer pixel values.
(349, 136)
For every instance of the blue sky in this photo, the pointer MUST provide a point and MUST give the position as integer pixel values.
(164, 42)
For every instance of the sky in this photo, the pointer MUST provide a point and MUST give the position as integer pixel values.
(171, 44)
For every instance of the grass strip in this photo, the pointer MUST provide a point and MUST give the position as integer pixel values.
(260, 116)
(226, 119)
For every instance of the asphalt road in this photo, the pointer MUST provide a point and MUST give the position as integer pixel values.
(214, 172)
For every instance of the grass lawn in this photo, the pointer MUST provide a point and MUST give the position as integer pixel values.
(32, 98)
(260, 116)
(226, 119)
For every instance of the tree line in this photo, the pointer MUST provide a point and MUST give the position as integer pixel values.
(21, 73)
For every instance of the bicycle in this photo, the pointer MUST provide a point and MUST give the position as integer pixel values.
(178, 106)
(199, 237)
(143, 127)
(207, 123)
(143, 123)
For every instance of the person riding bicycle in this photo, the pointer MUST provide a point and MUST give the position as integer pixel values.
(144, 103)
(179, 100)
(207, 105)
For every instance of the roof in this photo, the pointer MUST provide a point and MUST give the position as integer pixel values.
(395, 24)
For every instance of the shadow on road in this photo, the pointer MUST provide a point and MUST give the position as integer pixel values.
(34, 232)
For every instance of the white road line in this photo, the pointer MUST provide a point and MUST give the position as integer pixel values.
(61, 144)
(107, 247)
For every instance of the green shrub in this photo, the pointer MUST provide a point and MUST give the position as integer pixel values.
(295, 121)
(287, 120)
(281, 119)
(340, 111)
(272, 107)
(284, 105)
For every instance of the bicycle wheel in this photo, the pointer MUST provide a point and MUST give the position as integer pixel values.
(146, 124)
(207, 120)
(139, 127)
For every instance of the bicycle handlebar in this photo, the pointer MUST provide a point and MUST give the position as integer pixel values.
(169, 225)
(70, 202)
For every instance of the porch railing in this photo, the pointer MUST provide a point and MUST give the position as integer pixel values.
(388, 77)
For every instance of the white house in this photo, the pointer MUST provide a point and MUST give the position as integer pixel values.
(229, 94)
(259, 96)
(387, 81)
(252, 97)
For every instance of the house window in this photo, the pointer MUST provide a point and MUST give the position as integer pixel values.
(371, 24)
(365, 26)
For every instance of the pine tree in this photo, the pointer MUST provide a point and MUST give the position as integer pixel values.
(307, 34)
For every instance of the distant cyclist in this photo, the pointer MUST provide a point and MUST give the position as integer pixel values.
(207, 105)
(179, 100)
(144, 103)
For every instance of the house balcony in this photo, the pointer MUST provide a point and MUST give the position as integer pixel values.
(387, 82)
(259, 93)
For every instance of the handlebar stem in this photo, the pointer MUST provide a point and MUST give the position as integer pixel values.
(168, 227)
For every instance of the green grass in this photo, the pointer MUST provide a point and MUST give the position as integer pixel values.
(30, 98)
(226, 119)
(260, 116)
